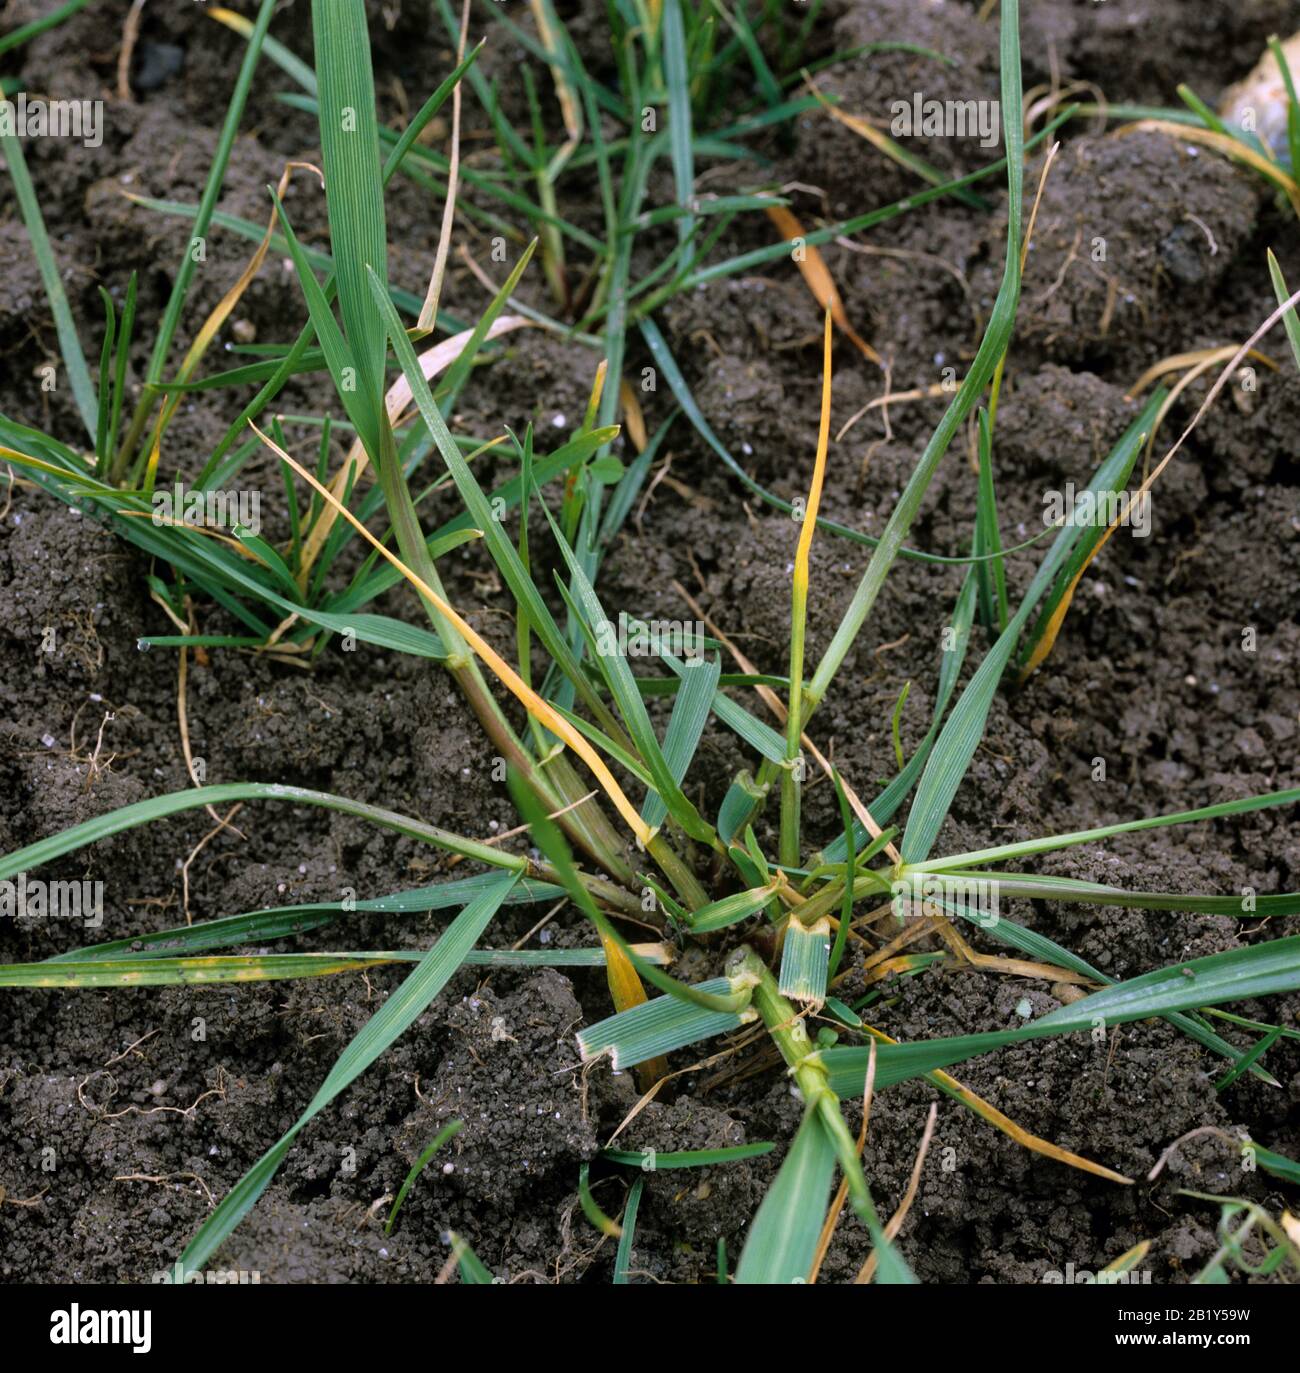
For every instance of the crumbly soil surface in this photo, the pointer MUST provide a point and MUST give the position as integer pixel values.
(123, 1114)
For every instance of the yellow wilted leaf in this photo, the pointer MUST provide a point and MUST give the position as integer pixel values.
(397, 401)
(1129, 1259)
(534, 704)
(816, 273)
(1230, 147)
(1292, 1227)
(633, 419)
(626, 989)
(987, 1111)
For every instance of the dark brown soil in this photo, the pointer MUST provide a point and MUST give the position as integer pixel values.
(124, 1124)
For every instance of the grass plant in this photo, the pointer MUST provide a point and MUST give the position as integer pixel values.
(605, 793)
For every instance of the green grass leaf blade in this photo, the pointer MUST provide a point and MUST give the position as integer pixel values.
(677, 77)
(381, 630)
(162, 971)
(1044, 950)
(1278, 1164)
(782, 1239)
(105, 392)
(964, 729)
(1203, 112)
(448, 1131)
(552, 843)
(289, 62)
(760, 257)
(1249, 1058)
(211, 194)
(1241, 806)
(954, 654)
(278, 922)
(1292, 103)
(392, 1019)
(174, 972)
(739, 805)
(965, 883)
(690, 714)
(1283, 293)
(729, 910)
(614, 668)
(478, 507)
(125, 334)
(591, 1207)
(407, 141)
(508, 494)
(623, 1259)
(750, 728)
(340, 358)
(624, 757)
(660, 1026)
(654, 1161)
(1083, 547)
(992, 576)
(353, 187)
(269, 558)
(993, 346)
(473, 1271)
(805, 961)
(1238, 974)
(74, 359)
(15, 37)
(160, 807)
(320, 260)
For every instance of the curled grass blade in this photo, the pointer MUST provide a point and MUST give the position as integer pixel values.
(591, 1207)
(815, 272)
(448, 1131)
(161, 807)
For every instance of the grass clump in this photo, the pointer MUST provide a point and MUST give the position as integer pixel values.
(604, 794)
